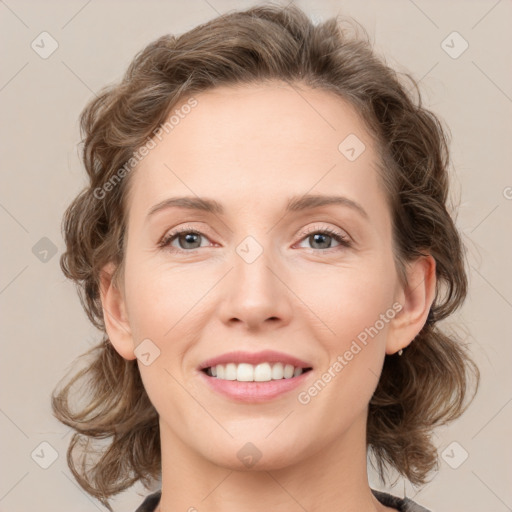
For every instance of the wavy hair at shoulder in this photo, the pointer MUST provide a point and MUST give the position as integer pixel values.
(429, 385)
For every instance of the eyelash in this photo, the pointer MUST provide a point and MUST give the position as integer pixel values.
(170, 237)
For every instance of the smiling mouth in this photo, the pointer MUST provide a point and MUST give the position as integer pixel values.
(263, 372)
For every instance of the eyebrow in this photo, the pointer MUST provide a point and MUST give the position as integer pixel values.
(295, 204)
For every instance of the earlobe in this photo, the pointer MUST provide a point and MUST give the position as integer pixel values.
(114, 314)
(416, 298)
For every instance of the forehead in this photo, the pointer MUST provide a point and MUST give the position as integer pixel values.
(242, 145)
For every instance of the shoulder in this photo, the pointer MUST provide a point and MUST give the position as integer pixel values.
(401, 504)
(150, 503)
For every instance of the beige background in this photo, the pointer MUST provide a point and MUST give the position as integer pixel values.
(43, 326)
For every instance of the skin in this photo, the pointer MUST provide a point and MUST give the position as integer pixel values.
(251, 148)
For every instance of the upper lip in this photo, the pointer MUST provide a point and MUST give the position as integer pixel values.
(265, 356)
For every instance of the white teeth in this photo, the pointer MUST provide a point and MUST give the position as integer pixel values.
(245, 372)
(277, 371)
(288, 371)
(230, 371)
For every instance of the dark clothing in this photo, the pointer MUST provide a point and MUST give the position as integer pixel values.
(401, 504)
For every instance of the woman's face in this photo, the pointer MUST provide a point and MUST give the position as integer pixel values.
(262, 274)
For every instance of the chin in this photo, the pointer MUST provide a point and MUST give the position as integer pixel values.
(256, 455)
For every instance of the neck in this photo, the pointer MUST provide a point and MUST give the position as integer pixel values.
(331, 479)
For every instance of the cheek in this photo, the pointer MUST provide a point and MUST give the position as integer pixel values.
(356, 306)
(348, 300)
(164, 310)
(161, 299)
(358, 310)
(336, 303)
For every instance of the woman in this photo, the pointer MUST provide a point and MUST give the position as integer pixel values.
(266, 245)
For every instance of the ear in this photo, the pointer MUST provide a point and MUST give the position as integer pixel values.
(415, 298)
(114, 314)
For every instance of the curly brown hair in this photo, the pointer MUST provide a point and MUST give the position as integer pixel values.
(426, 387)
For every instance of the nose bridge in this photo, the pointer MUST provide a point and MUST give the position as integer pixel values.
(252, 266)
(255, 293)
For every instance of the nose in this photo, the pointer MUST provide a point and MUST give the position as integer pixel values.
(255, 295)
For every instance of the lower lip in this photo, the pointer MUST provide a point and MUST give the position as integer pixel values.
(254, 392)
